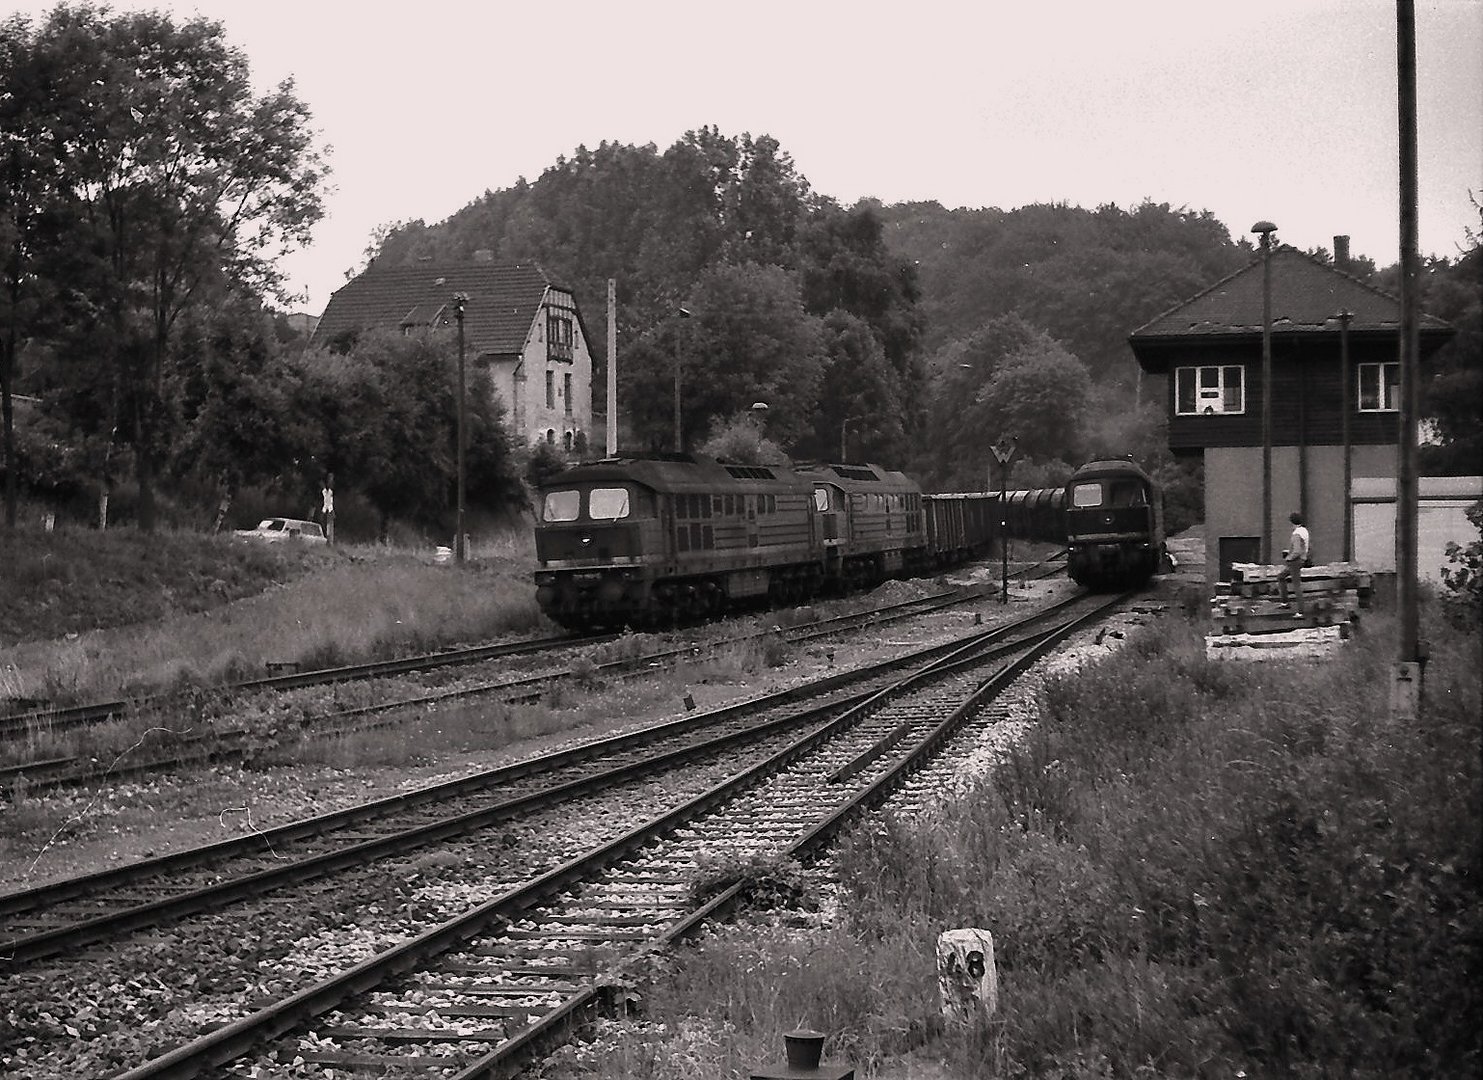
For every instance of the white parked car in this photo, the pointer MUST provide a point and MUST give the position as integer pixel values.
(274, 530)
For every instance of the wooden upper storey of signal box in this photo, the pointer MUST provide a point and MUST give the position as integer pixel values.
(1215, 337)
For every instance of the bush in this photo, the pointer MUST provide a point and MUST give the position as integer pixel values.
(1194, 862)
(1464, 581)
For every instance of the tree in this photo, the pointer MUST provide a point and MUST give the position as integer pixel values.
(28, 222)
(1008, 378)
(748, 339)
(1452, 390)
(388, 418)
(862, 403)
(742, 439)
(179, 183)
(243, 408)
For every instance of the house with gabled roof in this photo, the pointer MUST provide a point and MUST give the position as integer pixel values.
(524, 328)
(1334, 406)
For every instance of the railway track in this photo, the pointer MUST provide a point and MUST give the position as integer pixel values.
(60, 719)
(57, 918)
(223, 742)
(482, 990)
(71, 717)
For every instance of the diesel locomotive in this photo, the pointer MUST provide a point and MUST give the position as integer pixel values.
(1114, 514)
(653, 540)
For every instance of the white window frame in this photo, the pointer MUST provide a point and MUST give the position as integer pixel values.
(1386, 393)
(1210, 400)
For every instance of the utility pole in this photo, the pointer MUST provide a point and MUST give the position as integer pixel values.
(1345, 393)
(679, 440)
(1406, 689)
(612, 369)
(1266, 229)
(459, 554)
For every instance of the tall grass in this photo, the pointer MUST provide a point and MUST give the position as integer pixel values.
(1191, 868)
(356, 605)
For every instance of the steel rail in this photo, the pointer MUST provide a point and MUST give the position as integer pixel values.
(523, 690)
(67, 717)
(18, 951)
(246, 1034)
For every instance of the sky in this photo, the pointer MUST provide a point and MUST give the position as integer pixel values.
(1257, 110)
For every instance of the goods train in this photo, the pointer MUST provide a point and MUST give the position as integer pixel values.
(658, 539)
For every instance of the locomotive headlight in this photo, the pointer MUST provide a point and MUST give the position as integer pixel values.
(545, 578)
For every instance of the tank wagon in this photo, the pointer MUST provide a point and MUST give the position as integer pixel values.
(1114, 525)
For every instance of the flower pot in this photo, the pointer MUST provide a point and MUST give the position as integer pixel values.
(804, 1049)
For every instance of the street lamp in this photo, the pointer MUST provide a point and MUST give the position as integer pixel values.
(843, 435)
(1266, 229)
(1004, 454)
(459, 554)
(684, 314)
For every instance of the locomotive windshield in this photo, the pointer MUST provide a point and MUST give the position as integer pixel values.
(607, 504)
(1086, 495)
(1116, 493)
(563, 505)
(603, 504)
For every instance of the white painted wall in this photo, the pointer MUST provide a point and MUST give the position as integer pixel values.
(1442, 505)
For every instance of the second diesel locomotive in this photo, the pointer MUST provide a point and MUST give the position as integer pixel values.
(1114, 514)
(658, 539)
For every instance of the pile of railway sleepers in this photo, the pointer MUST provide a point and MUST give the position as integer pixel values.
(1248, 616)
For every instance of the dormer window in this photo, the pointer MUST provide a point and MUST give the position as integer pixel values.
(1379, 387)
(1209, 391)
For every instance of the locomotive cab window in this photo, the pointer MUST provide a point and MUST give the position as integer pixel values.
(1085, 496)
(564, 505)
(609, 504)
(1128, 494)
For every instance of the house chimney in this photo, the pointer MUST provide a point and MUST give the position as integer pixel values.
(1341, 253)
(484, 255)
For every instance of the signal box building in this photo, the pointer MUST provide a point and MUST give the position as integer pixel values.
(1335, 370)
(520, 325)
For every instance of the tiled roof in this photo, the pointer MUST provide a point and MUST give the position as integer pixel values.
(1307, 294)
(503, 298)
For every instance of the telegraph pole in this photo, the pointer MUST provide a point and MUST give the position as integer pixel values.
(1266, 229)
(459, 300)
(1406, 689)
(612, 369)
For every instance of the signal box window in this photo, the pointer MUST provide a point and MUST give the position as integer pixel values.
(1378, 387)
(1209, 391)
(563, 505)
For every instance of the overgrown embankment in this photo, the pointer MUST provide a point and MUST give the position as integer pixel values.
(73, 580)
(1191, 868)
(87, 615)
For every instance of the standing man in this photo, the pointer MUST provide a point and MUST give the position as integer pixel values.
(1293, 560)
(327, 506)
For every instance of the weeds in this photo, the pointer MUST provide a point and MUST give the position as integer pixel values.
(767, 882)
(1191, 869)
